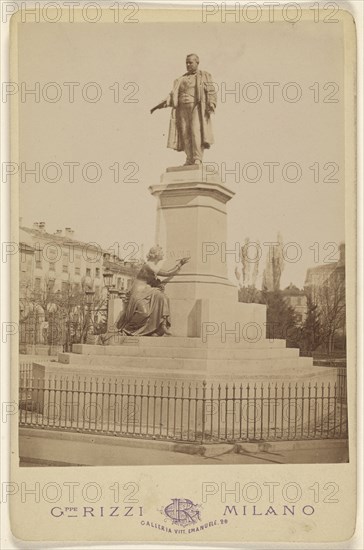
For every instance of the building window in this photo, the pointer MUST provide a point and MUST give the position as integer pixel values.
(77, 271)
(65, 268)
(97, 272)
(77, 287)
(38, 256)
(88, 272)
(52, 252)
(52, 266)
(128, 284)
(64, 287)
(51, 284)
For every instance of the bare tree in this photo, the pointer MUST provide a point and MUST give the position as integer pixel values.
(330, 301)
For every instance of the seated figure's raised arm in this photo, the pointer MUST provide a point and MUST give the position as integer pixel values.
(174, 270)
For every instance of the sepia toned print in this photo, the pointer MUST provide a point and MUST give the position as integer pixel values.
(185, 274)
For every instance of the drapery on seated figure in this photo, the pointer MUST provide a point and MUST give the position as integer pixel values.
(147, 311)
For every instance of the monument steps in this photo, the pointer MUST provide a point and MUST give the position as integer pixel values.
(187, 353)
(238, 375)
(120, 343)
(190, 363)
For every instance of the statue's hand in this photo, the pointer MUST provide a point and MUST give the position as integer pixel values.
(184, 261)
(161, 105)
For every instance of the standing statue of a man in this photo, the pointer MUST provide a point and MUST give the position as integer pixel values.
(193, 99)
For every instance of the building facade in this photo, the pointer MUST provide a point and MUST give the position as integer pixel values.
(297, 300)
(59, 275)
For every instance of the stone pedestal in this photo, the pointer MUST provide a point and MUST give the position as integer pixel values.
(188, 360)
(191, 221)
(114, 307)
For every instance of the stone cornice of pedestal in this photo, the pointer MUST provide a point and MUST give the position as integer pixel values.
(191, 180)
(213, 189)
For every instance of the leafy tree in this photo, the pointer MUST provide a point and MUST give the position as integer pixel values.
(250, 294)
(274, 266)
(247, 274)
(311, 336)
(282, 321)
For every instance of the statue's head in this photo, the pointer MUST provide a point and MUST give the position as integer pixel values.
(155, 254)
(192, 62)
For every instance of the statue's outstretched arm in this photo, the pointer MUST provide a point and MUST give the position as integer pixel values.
(174, 270)
(169, 272)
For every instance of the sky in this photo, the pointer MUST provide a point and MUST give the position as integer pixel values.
(140, 62)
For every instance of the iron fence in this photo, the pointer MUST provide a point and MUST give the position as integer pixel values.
(185, 412)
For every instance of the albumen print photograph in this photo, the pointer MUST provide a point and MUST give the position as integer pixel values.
(185, 240)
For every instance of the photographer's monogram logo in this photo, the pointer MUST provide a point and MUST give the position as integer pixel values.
(182, 511)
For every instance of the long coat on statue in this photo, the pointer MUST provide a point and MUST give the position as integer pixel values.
(206, 96)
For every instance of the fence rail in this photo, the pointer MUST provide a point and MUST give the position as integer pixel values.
(185, 412)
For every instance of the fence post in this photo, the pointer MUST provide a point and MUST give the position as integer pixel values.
(203, 410)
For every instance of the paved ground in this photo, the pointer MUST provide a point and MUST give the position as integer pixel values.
(123, 455)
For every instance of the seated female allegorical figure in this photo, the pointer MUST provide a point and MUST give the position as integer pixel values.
(147, 311)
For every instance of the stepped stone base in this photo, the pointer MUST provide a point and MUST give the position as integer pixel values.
(191, 360)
